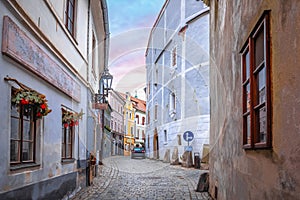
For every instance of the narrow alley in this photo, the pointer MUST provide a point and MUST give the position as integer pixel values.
(121, 177)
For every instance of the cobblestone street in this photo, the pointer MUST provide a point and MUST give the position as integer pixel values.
(123, 178)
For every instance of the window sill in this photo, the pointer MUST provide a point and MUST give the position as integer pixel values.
(24, 166)
(257, 146)
(67, 160)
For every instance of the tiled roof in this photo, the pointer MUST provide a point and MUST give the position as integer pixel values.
(138, 104)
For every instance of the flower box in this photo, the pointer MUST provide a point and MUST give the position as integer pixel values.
(100, 106)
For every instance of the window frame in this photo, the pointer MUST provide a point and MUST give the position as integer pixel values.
(37, 128)
(64, 142)
(94, 54)
(69, 18)
(33, 129)
(250, 77)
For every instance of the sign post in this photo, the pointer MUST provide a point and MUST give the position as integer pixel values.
(188, 136)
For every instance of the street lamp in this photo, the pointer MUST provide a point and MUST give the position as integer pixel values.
(105, 83)
(101, 103)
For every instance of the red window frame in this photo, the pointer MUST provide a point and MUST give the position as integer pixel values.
(256, 87)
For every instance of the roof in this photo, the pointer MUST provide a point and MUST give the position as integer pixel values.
(138, 104)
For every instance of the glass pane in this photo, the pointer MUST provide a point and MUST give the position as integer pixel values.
(68, 151)
(70, 26)
(248, 96)
(27, 151)
(247, 65)
(27, 112)
(63, 151)
(26, 130)
(262, 125)
(14, 151)
(248, 130)
(70, 12)
(14, 112)
(261, 82)
(259, 47)
(69, 136)
(14, 128)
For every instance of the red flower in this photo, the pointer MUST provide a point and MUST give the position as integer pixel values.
(76, 123)
(39, 114)
(24, 102)
(66, 125)
(43, 106)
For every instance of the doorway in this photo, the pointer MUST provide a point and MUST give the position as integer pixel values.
(155, 145)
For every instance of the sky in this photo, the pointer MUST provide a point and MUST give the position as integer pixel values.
(130, 23)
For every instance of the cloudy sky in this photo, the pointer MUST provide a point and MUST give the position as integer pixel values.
(130, 22)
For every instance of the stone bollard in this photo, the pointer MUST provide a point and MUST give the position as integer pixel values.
(203, 183)
(175, 158)
(187, 159)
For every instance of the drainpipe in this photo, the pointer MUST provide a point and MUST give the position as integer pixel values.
(106, 27)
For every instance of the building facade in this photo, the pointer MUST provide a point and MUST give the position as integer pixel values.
(254, 89)
(52, 55)
(117, 121)
(140, 120)
(129, 123)
(177, 62)
(107, 140)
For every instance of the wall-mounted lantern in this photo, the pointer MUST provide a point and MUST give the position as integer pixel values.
(105, 83)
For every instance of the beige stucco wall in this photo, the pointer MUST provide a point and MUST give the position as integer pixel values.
(255, 174)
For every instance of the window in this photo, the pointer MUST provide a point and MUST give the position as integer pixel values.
(137, 119)
(148, 142)
(24, 134)
(143, 120)
(138, 134)
(70, 16)
(179, 139)
(155, 112)
(143, 134)
(148, 117)
(174, 57)
(131, 131)
(94, 55)
(172, 104)
(165, 137)
(67, 141)
(69, 121)
(256, 87)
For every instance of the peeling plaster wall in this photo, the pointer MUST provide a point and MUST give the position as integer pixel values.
(254, 174)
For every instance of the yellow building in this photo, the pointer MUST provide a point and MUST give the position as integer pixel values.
(129, 124)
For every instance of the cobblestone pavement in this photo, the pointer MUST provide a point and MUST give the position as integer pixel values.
(123, 178)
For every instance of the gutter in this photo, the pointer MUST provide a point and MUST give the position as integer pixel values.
(106, 27)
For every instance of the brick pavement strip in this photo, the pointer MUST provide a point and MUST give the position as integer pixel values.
(124, 178)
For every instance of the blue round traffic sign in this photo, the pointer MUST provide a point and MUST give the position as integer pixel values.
(188, 136)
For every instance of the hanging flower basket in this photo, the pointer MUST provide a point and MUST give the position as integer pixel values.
(31, 100)
(70, 118)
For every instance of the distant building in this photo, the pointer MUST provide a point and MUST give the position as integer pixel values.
(177, 62)
(255, 93)
(140, 120)
(117, 121)
(129, 123)
(53, 53)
